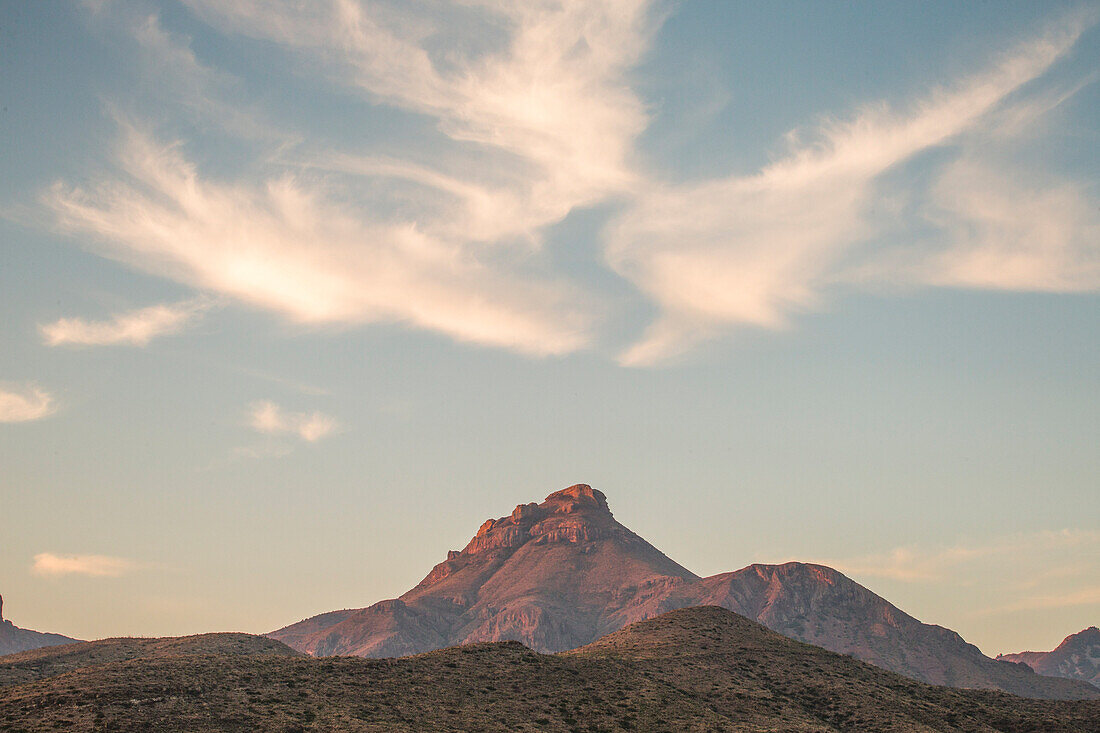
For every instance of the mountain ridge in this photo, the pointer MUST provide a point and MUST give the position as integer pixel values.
(1077, 658)
(559, 574)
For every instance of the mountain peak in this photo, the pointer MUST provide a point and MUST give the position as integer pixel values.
(578, 496)
(575, 514)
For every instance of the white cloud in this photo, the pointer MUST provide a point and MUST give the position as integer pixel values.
(752, 250)
(23, 404)
(532, 128)
(268, 417)
(534, 117)
(282, 244)
(1006, 235)
(100, 566)
(135, 328)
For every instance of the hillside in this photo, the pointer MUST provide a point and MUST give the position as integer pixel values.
(698, 669)
(48, 662)
(560, 574)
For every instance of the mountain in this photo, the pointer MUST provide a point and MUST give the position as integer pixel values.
(1076, 658)
(553, 576)
(14, 639)
(560, 574)
(696, 669)
(821, 606)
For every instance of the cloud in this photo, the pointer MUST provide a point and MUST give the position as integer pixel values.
(752, 250)
(284, 245)
(135, 328)
(919, 564)
(438, 235)
(23, 404)
(268, 417)
(98, 566)
(517, 114)
(1006, 235)
(1081, 597)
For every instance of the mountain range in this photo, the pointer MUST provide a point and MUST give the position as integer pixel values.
(1076, 658)
(560, 574)
(14, 639)
(695, 669)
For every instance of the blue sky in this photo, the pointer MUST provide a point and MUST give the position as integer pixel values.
(295, 296)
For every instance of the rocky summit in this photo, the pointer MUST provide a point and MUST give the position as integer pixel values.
(1076, 658)
(559, 574)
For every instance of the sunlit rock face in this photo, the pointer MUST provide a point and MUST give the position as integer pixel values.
(1076, 658)
(561, 573)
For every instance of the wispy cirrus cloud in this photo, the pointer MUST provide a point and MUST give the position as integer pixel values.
(531, 129)
(96, 566)
(268, 417)
(1007, 235)
(753, 250)
(1087, 596)
(939, 564)
(531, 114)
(135, 328)
(25, 403)
(285, 245)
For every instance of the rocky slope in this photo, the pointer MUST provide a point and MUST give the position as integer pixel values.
(553, 576)
(1076, 658)
(559, 574)
(819, 605)
(697, 669)
(14, 639)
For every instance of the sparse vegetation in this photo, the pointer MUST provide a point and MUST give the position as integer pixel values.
(701, 669)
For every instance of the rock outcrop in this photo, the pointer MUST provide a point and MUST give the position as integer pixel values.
(1076, 658)
(14, 639)
(560, 574)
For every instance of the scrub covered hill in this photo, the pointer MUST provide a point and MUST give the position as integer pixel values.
(696, 669)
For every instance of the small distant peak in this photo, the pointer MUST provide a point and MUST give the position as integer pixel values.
(578, 496)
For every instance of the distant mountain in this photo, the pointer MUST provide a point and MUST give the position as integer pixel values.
(1076, 658)
(696, 669)
(560, 574)
(14, 639)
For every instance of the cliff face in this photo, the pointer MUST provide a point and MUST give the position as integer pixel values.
(1077, 658)
(560, 574)
(14, 639)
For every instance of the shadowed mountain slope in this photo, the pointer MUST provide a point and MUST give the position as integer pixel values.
(697, 669)
(1077, 658)
(559, 574)
(819, 605)
(14, 639)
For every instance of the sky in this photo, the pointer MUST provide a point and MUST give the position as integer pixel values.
(295, 295)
